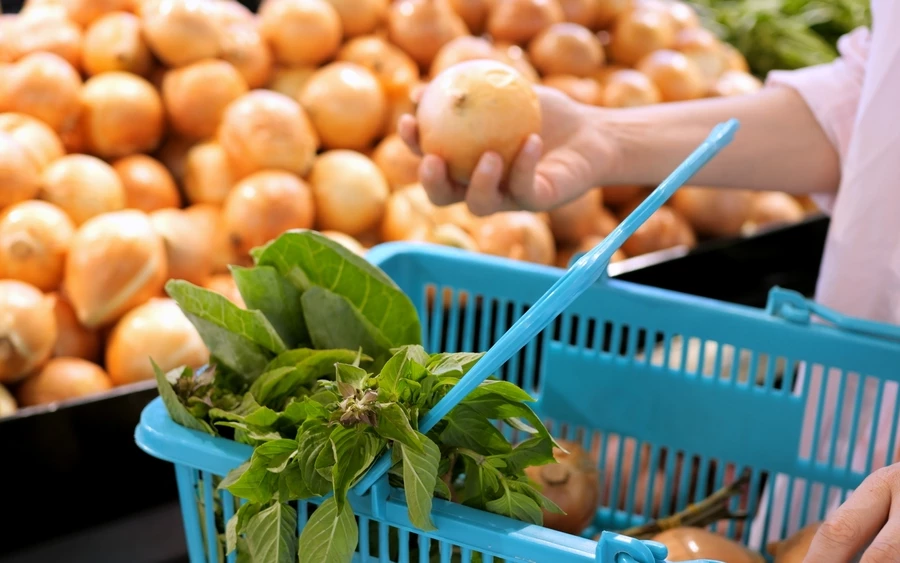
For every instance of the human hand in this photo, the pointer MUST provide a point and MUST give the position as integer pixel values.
(872, 511)
(570, 156)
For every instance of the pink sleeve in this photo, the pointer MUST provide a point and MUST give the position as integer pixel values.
(832, 92)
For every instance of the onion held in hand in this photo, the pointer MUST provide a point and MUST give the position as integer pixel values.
(573, 483)
(34, 240)
(794, 548)
(27, 329)
(475, 107)
(689, 544)
(63, 379)
(349, 190)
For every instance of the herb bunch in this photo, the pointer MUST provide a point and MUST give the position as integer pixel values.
(321, 374)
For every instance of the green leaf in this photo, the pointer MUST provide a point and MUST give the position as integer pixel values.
(528, 489)
(272, 534)
(276, 453)
(176, 410)
(420, 474)
(330, 535)
(536, 450)
(308, 258)
(237, 523)
(264, 289)
(217, 309)
(252, 481)
(455, 364)
(467, 428)
(272, 387)
(291, 485)
(351, 375)
(393, 424)
(313, 440)
(516, 505)
(441, 489)
(397, 368)
(298, 411)
(354, 451)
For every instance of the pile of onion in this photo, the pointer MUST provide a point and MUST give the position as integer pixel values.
(188, 244)
(208, 175)
(677, 77)
(63, 379)
(394, 69)
(300, 32)
(475, 107)
(224, 285)
(519, 21)
(639, 32)
(349, 190)
(72, 339)
(566, 48)
(689, 544)
(665, 229)
(629, 88)
(148, 184)
(195, 96)
(27, 329)
(422, 27)
(44, 86)
(83, 186)
(34, 240)
(114, 42)
(768, 209)
(714, 211)
(519, 235)
(396, 161)
(572, 483)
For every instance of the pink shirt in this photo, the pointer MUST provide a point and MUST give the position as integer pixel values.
(856, 100)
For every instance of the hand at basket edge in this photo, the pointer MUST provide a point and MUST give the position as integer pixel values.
(870, 517)
(570, 156)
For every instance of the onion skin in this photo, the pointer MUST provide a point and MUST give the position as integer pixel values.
(703, 48)
(63, 379)
(241, 44)
(629, 88)
(83, 186)
(34, 240)
(572, 483)
(473, 12)
(147, 183)
(422, 27)
(393, 68)
(116, 262)
(577, 219)
(689, 544)
(397, 162)
(518, 235)
(346, 105)
(408, 215)
(289, 80)
(666, 228)
(474, 107)
(188, 245)
(677, 77)
(48, 31)
(581, 12)
(114, 42)
(607, 11)
(195, 96)
(350, 192)
(27, 329)
(208, 176)
(566, 48)
(583, 90)
(360, 17)
(262, 206)
(769, 209)
(713, 211)
(72, 339)
(156, 330)
(794, 548)
(519, 21)
(46, 87)
(37, 140)
(638, 33)
(180, 32)
(300, 32)
(19, 176)
(346, 241)
(464, 48)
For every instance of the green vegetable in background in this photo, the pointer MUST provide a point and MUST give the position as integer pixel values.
(321, 374)
(783, 34)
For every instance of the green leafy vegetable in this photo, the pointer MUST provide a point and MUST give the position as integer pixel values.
(262, 288)
(272, 534)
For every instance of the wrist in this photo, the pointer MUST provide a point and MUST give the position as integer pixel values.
(618, 132)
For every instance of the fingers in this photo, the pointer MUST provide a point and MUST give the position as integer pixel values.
(854, 524)
(521, 173)
(409, 132)
(433, 175)
(483, 196)
(886, 546)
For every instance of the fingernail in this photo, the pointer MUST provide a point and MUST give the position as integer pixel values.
(488, 164)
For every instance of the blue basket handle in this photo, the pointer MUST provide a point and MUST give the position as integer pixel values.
(794, 307)
(616, 548)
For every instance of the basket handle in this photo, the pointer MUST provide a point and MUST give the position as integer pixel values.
(792, 306)
(581, 276)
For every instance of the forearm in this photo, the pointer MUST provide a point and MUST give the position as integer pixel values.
(779, 146)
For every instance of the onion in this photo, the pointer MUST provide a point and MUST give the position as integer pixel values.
(123, 114)
(408, 215)
(349, 190)
(40, 145)
(224, 285)
(399, 165)
(736, 83)
(44, 86)
(810, 206)
(572, 483)
(665, 229)
(241, 43)
(208, 176)
(455, 214)
(606, 12)
(346, 241)
(769, 209)
(684, 16)
(27, 329)
(474, 107)
(209, 218)
(734, 58)
(465, 48)
(116, 262)
(263, 205)
(794, 548)
(195, 96)
(519, 21)
(515, 56)
(393, 68)
(158, 331)
(360, 17)
(48, 31)
(346, 105)
(85, 12)
(267, 130)
(19, 175)
(188, 244)
(447, 234)
(566, 48)
(289, 80)
(62, 379)
(689, 544)
(583, 90)
(398, 105)
(83, 186)
(581, 12)
(617, 196)
(704, 49)
(180, 32)
(713, 211)
(72, 339)
(173, 155)
(474, 13)
(300, 32)
(8, 38)
(577, 219)
(34, 239)
(629, 88)
(114, 42)
(8, 406)
(148, 184)
(422, 27)
(638, 33)
(519, 235)
(677, 77)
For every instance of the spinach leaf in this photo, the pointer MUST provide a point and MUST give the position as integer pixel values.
(330, 535)
(176, 410)
(308, 259)
(264, 289)
(420, 469)
(354, 451)
(272, 534)
(313, 439)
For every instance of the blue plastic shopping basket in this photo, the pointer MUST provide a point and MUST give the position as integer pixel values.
(616, 366)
